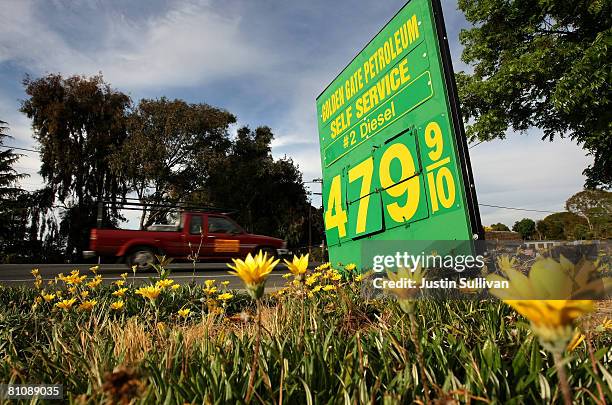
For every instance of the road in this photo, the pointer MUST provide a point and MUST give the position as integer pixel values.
(19, 274)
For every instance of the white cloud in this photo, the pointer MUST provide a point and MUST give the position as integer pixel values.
(20, 131)
(526, 172)
(190, 44)
(30, 165)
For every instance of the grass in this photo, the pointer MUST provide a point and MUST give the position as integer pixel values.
(349, 349)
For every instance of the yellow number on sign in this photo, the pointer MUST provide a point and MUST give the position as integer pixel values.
(334, 202)
(365, 170)
(409, 187)
(436, 188)
(433, 139)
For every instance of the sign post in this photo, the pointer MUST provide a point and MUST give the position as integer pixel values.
(393, 149)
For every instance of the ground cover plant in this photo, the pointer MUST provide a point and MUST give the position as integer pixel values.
(318, 340)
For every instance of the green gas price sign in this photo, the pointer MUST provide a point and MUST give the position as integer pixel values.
(393, 150)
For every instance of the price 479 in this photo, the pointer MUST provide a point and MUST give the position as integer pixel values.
(401, 182)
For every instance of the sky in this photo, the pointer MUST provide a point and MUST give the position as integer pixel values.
(265, 61)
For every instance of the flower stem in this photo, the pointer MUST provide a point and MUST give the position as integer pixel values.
(301, 339)
(594, 366)
(417, 345)
(562, 376)
(255, 356)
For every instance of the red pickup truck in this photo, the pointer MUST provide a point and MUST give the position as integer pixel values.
(206, 235)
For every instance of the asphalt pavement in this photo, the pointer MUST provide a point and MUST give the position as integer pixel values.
(183, 273)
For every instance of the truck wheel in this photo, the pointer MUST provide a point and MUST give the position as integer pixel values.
(142, 258)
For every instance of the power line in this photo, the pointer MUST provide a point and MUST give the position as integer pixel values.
(475, 145)
(16, 148)
(517, 209)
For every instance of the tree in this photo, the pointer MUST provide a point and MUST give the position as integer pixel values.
(268, 194)
(78, 122)
(544, 64)
(525, 227)
(168, 150)
(9, 190)
(595, 206)
(499, 227)
(561, 226)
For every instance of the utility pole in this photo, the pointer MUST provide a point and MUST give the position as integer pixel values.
(310, 193)
(309, 224)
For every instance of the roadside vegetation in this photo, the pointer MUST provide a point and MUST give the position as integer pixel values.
(318, 340)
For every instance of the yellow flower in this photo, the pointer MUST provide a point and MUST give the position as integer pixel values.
(87, 305)
(66, 304)
(505, 262)
(117, 305)
(134, 268)
(329, 287)
(575, 342)
(175, 287)
(254, 271)
(161, 327)
(95, 282)
(350, 267)
(72, 290)
(335, 276)
(287, 275)
(225, 296)
(547, 297)
(35, 272)
(312, 278)
(94, 269)
(151, 292)
(405, 296)
(317, 288)
(184, 312)
(323, 266)
(210, 290)
(119, 283)
(38, 283)
(84, 294)
(73, 278)
(298, 266)
(164, 283)
(120, 292)
(124, 275)
(225, 283)
(37, 300)
(209, 283)
(359, 277)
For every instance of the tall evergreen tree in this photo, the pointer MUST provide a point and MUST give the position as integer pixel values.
(268, 193)
(9, 190)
